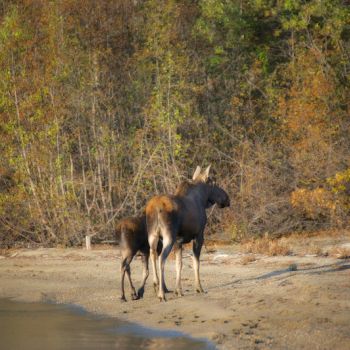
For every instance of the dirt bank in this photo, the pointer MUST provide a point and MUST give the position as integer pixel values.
(290, 302)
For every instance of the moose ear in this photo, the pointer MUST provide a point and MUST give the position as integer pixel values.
(196, 173)
(206, 173)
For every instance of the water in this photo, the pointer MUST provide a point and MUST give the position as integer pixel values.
(36, 326)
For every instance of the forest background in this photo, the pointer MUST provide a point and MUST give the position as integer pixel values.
(106, 103)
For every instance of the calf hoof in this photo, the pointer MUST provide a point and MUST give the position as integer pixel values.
(141, 292)
(200, 290)
(123, 299)
(155, 287)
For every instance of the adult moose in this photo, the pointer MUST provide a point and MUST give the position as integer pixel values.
(181, 218)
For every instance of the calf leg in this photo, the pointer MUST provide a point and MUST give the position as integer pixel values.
(125, 268)
(122, 270)
(178, 254)
(197, 246)
(134, 295)
(145, 273)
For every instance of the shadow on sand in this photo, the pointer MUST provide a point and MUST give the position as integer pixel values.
(309, 270)
(289, 272)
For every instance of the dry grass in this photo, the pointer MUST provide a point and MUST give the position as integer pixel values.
(247, 259)
(267, 246)
(317, 242)
(335, 233)
(315, 250)
(8, 252)
(339, 252)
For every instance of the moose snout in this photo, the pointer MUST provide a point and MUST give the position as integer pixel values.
(225, 203)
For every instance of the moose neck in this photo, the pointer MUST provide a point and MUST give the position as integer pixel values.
(199, 192)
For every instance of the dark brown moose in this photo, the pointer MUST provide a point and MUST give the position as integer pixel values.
(133, 239)
(178, 219)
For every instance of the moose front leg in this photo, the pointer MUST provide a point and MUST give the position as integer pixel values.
(196, 247)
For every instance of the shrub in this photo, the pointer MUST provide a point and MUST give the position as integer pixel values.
(312, 203)
(267, 246)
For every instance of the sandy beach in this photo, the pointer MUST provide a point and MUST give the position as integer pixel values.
(299, 301)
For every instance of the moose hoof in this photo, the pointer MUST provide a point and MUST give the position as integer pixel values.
(155, 287)
(179, 293)
(123, 299)
(200, 290)
(134, 296)
(161, 297)
(141, 292)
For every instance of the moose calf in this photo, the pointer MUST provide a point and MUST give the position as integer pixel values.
(133, 239)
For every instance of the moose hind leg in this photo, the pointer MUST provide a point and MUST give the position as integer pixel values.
(159, 250)
(145, 273)
(178, 254)
(123, 269)
(153, 242)
(167, 246)
(126, 261)
(134, 295)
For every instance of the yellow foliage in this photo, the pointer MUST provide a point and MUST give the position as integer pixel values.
(313, 202)
(340, 182)
(340, 186)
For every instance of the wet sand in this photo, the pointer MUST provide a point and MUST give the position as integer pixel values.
(34, 326)
(284, 302)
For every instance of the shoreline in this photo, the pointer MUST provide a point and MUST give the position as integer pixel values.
(117, 325)
(259, 304)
